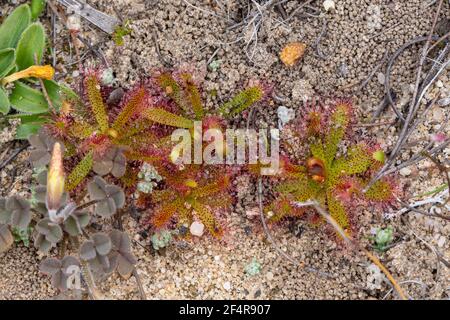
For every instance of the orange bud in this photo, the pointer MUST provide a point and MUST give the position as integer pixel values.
(43, 72)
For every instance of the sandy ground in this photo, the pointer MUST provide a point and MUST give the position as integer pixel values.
(208, 269)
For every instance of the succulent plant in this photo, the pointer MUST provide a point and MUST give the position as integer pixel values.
(96, 250)
(383, 238)
(59, 270)
(120, 256)
(22, 235)
(15, 211)
(113, 162)
(161, 239)
(109, 197)
(42, 145)
(47, 234)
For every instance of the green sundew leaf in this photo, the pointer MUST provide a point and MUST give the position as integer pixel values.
(317, 150)
(7, 58)
(173, 90)
(80, 172)
(54, 93)
(162, 116)
(241, 101)
(130, 109)
(207, 217)
(31, 45)
(4, 101)
(27, 129)
(25, 99)
(37, 7)
(380, 191)
(357, 161)
(337, 211)
(195, 99)
(338, 125)
(96, 101)
(302, 189)
(13, 26)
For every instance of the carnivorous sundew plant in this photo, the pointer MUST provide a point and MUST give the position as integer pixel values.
(334, 169)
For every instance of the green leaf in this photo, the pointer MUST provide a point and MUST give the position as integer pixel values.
(28, 100)
(167, 118)
(4, 101)
(7, 58)
(13, 26)
(54, 93)
(37, 7)
(25, 130)
(31, 44)
(29, 118)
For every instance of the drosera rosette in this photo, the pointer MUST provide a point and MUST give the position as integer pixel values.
(195, 192)
(334, 171)
(102, 134)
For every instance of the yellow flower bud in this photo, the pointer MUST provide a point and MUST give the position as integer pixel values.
(43, 72)
(55, 179)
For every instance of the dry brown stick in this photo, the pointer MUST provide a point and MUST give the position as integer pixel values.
(438, 41)
(414, 102)
(416, 158)
(424, 213)
(14, 155)
(353, 243)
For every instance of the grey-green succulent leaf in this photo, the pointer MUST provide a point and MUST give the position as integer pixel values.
(20, 212)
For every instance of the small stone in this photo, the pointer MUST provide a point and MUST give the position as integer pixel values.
(285, 115)
(227, 285)
(328, 5)
(197, 228)
(441, 242)
(405, 172)
(381, 78)
(292, 53)
(269, 276)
